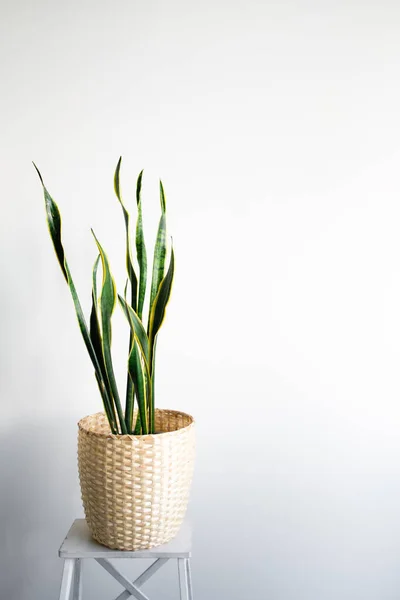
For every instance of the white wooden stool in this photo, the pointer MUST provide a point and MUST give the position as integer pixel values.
(79, 545)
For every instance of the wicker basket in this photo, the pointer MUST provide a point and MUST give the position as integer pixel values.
(135, 489)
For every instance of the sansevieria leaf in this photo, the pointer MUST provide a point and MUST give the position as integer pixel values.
(129, 262)
(139, 372)
(107, 304)
(95, 331)
(157, 316)
(137, 326)
(130, 388)
(95, 336)
(140, 248)
(152, 384)
(138, 359)
(54, 224)
(160, 303)
(160, 252)
(138, 426)
(134, 288)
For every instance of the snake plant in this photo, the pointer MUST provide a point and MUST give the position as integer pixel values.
(143, 337)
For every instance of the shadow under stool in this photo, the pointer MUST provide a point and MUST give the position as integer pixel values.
(79, 546)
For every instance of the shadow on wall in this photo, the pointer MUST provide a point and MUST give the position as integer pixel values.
(39, 498)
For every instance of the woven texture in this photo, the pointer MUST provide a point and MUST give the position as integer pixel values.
(135, 489)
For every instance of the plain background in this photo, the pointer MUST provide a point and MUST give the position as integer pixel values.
(275, 127)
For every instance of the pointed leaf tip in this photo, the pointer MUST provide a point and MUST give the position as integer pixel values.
(116, 179)
(38, 172)
(162, 197)
(139, 187)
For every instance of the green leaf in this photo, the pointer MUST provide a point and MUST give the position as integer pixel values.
(137, 327)
(134, 290)
(129, 262)
(95, 332)
(140, 248)
(139, 372)
(160, 251)
(152, 383)
(162, 198)
(107, 304)
(94, 278)
(160, 303)
(54, 224)
(95, 336)
(156, 319)
(130, 388)
(138, 367)
(130, 397)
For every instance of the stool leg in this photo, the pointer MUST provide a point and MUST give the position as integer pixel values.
(67, 577)
(78, 580)
(189, 578)
(183, 578)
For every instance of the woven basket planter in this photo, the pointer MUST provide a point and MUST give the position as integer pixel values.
(135, 489)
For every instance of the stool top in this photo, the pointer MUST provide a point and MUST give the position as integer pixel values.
(80, 544)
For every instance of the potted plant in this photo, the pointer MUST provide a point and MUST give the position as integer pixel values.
(135, 462)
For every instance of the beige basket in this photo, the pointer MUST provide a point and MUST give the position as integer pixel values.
(135, 489)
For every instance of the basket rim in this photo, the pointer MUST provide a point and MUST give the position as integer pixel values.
(126, 436)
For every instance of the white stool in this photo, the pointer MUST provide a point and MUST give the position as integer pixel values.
(79, 545)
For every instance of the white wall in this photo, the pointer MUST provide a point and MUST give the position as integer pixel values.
(275, 127)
